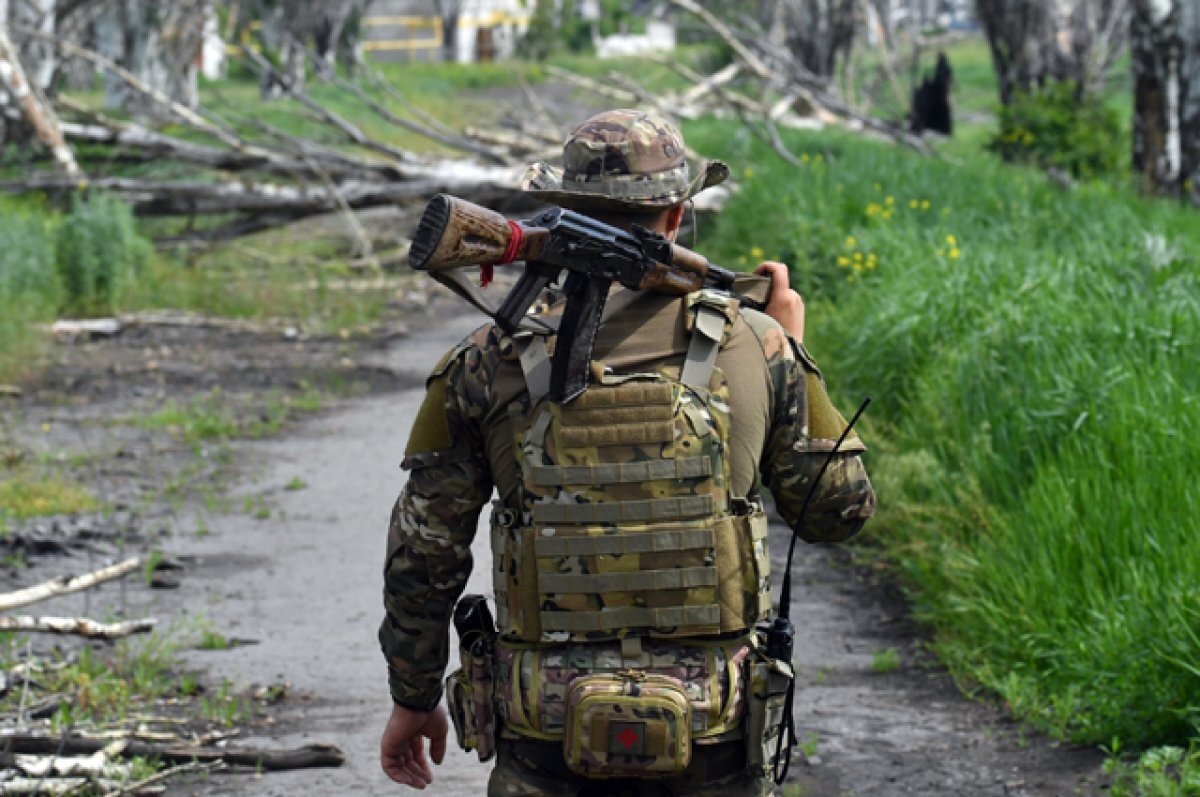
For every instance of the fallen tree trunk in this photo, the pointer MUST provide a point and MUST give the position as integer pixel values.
(307, 757)
(76, 626)
(154, 198)
(39, 115)
(65, 585)
(135, 142)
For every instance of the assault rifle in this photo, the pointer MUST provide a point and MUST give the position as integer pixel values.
(454, 233)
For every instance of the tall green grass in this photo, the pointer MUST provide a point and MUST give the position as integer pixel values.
(1033, 355)
(28, 286)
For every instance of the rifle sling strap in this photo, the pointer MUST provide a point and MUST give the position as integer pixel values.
(458, 281)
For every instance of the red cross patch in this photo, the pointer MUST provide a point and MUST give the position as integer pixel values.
(627, 738)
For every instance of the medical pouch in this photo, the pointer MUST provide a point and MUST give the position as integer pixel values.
(627, 725)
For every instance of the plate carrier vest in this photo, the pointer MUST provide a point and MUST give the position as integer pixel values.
(626, 526)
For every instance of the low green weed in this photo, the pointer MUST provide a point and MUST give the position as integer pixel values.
(885, 661)
(1158, 772)
(25, 493)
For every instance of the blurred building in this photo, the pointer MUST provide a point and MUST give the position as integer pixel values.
(411, 30)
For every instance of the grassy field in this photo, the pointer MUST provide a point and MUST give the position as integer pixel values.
(1031, 352)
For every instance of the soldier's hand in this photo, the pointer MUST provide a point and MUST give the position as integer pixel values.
(785, 305)
(402, 749)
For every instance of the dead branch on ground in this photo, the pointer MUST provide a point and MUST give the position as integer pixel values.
(65, 585)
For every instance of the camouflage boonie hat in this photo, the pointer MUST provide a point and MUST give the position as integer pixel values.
(622, 160)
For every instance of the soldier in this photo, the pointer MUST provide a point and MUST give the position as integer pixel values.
(629, 538)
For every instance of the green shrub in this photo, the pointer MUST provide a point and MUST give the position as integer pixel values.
(28, 286)
(97, 252)
(26, 255)
(1057, 128)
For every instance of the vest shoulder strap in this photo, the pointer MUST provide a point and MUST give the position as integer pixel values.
(711, 319)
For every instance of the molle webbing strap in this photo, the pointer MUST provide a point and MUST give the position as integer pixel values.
(702, 350)
(658, 509)
(617, 544)
(623, 415)
(622, 472)
(633, 617)
(634, 394)
(639, 581)
(624, 434)
(535, 364)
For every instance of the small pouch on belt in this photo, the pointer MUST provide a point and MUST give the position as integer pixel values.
(469, 694)
(627, 725)
(769, 680)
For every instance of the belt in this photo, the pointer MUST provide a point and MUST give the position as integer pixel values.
(709, 761)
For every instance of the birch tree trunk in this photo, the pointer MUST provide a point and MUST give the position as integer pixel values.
(820, 32)
(1035, 41)
(14, 84)
(1165, 43)
(157, 42)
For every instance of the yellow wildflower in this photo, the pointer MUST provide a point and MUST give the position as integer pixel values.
(871, 262)
(950, 239)
(954, 253)
(858, 266)
(747, 172)
(891, 200)
(913, 204)
(858, 257)
(804, 157)
(925, 204)
(756, 252)
(843, 261)
(851, 242)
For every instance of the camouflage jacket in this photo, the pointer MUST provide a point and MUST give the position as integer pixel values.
(461, 448)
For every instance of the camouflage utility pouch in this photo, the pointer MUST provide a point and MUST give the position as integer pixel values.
(627, 725)
(469, 695)
(770, 680)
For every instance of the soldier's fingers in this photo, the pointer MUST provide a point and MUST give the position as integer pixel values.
(419, 763)
(778, 273)
(437, 748)
(398, 768)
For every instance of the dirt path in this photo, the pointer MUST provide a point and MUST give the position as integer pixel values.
(306, 583)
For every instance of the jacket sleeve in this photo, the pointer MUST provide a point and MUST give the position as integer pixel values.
(432, 526)
(804, 429)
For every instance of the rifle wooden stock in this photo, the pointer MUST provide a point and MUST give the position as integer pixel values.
(454, 233)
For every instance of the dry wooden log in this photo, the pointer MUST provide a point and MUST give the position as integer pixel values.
(49, 787)
(155, 198)
(11, 391)
(142, 144)
(65, 585)
(95, 765)
(162, 777)
(383, 112)
(795, 79)
(39, 115)
(306, 757)
(343, 125)
(595, 86)
(76, 626)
